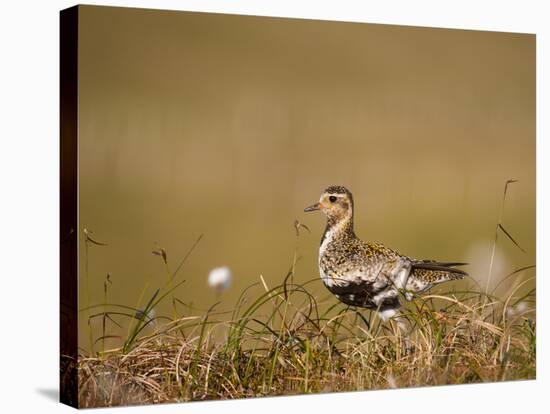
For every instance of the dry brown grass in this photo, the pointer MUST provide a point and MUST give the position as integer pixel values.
(281, 343)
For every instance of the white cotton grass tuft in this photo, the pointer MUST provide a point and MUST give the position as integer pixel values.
(518, 310)
(220, 278)
(479, 256)
(149, 317)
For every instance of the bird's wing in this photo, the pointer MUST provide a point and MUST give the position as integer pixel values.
(428, 264)
(373, 264)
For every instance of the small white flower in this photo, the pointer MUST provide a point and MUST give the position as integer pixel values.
(148, 317)
(521, 307)
(220, 278)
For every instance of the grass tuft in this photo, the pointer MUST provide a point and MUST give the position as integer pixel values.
(283, 343)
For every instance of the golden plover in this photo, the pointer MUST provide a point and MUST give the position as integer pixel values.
(368, 274)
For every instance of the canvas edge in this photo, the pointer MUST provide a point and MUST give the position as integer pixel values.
(68, 232)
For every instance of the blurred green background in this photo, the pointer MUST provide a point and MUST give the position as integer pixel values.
(228, 126)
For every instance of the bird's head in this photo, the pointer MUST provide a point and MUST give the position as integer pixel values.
(336, 202)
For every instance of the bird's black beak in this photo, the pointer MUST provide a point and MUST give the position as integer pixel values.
(314, 207)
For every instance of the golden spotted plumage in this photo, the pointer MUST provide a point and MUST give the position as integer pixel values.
(369, 274)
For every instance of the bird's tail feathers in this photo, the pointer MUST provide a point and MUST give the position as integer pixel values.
(438, 272)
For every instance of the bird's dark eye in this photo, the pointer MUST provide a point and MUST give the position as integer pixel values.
(332, 199)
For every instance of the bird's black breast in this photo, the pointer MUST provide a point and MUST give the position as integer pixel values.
(362, 295)
(354, 294)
